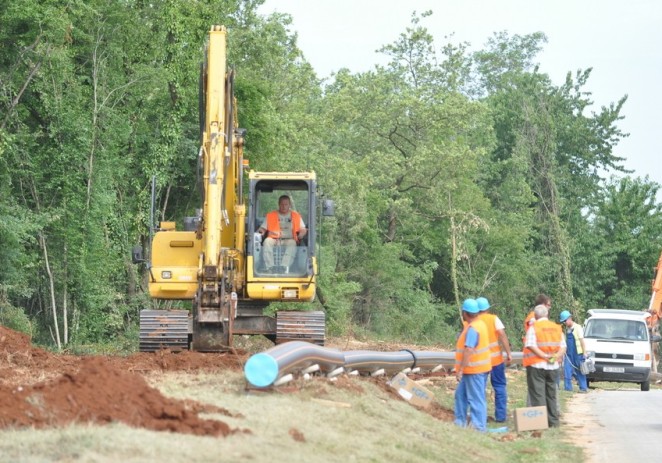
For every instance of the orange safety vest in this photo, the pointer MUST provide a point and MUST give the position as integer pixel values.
(495, 349)
(479, 362)
(548, 340)
(273, 225)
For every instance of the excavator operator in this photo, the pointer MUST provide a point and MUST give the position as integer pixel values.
(283, 227)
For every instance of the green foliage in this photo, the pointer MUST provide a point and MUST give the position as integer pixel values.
(338, 296)
(15, 318)
(548, 154)
(624, 230)
(455, 174)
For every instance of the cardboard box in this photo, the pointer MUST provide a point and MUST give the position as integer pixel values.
(411, 391)
(530, 418)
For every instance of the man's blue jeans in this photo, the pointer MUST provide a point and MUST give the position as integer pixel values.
(498, 380)
(470, 398)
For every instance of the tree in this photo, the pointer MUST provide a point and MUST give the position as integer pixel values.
(408, 144)
(627, 222)
(544, 128)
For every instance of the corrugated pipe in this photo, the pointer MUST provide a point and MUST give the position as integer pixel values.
(265, 368)
(276, 365)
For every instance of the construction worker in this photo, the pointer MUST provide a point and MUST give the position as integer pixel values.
(544, 349)
(472, 365)
(496, 332)
(574, 355)
(282, 227)
(541, 299)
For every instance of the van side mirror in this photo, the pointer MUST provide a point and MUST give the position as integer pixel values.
(328, 208)
(137, 255)
(656, 338)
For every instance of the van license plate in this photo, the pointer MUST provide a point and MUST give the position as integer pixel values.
(613, 370)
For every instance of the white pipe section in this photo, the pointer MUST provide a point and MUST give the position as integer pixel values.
(336, 372)
(312, 369)
(284, 379)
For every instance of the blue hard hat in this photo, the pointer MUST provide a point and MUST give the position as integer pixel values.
(470, 305)
(483, 303)
(563, 316)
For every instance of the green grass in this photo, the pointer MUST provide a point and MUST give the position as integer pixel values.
(356, 420)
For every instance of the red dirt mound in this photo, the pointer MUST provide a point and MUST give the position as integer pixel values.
(98, 390)
(100, 393)
(23, 364)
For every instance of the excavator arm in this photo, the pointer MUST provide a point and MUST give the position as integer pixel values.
(223, 212)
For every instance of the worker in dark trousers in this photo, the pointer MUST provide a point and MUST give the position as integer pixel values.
(543, 353)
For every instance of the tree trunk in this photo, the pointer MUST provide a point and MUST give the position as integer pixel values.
(65, 294)
(456, 291)
(392, 222)
(42, 242)
(95, 115)
(540, 140)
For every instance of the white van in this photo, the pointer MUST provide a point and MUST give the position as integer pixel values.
(620, 344)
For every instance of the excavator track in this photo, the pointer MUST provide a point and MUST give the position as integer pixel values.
(164, 329)
(300, 326)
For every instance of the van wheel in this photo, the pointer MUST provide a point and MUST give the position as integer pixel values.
(646, 386)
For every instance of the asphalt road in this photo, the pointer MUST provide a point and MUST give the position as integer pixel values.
(617, 426)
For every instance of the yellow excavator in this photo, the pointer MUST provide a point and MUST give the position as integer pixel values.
(218, 259)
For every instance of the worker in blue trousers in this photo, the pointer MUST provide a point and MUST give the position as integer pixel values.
(496, 332)
(575, 354)
(472, 365)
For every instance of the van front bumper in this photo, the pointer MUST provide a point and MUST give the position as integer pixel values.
(629, 374)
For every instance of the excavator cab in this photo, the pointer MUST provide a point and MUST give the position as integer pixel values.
(287, 257)
(284, 259)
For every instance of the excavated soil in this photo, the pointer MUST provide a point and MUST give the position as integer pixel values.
(40, 389)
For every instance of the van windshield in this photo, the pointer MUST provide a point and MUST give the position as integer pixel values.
(616, 329)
